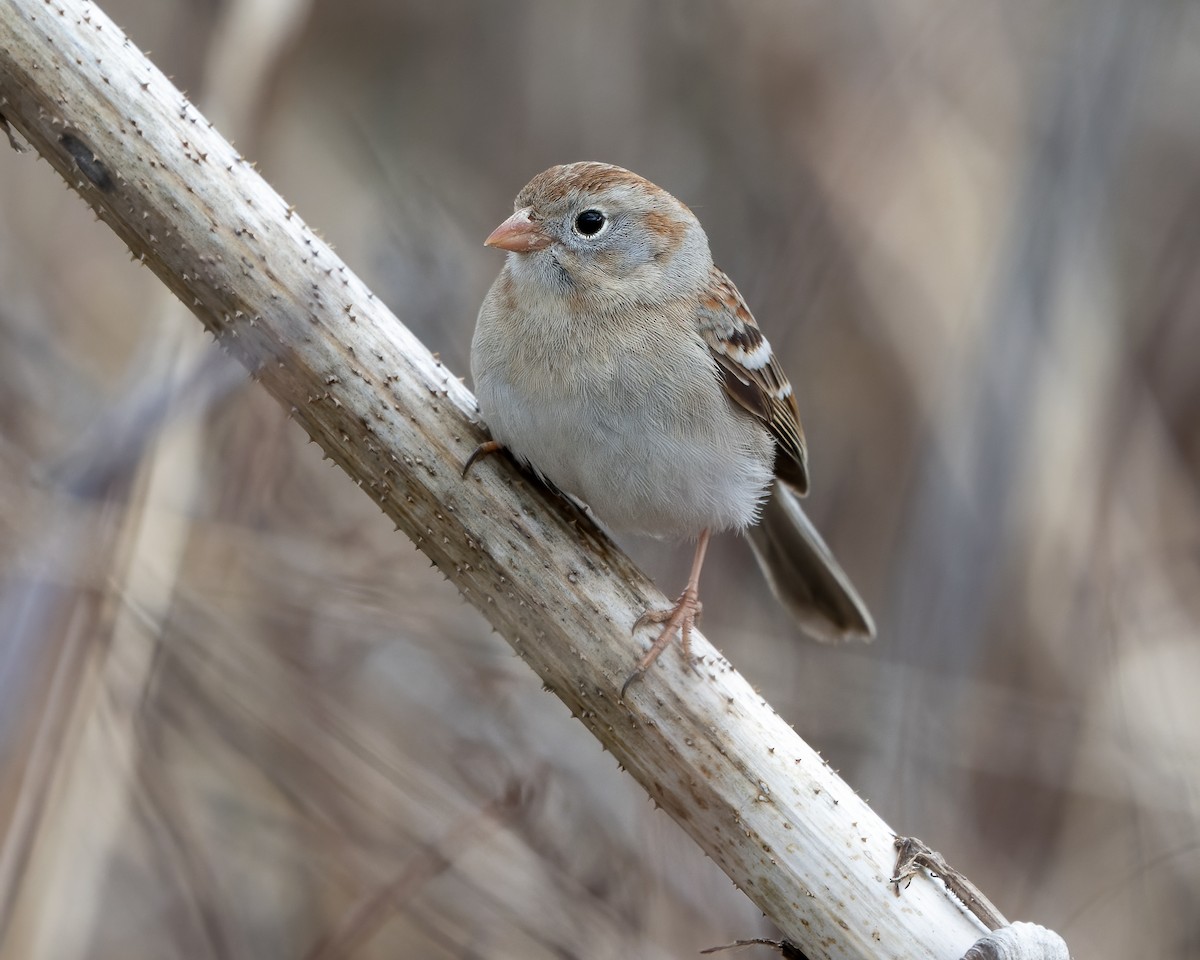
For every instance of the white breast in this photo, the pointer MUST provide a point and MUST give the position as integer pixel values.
(635, 423)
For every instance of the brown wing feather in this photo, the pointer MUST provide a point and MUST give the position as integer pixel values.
(752, 376)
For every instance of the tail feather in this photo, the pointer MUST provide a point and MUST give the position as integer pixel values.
(803, 574)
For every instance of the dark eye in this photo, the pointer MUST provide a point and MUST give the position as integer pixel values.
(590, 222)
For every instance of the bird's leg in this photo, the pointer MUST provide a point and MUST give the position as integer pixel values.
(485, 449)
(679, 619)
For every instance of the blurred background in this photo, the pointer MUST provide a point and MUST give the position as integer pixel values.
(240, 717)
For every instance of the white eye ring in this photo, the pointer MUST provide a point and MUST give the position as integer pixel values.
(590, 223)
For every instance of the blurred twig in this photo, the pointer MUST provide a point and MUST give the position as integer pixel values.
(375, 908)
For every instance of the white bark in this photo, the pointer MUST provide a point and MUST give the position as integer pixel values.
(792, 835)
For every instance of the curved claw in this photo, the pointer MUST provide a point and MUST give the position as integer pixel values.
(636, 675)
(485, 449)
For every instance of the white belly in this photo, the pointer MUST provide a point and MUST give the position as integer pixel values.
(649, 450)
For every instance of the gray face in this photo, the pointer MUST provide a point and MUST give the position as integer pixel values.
(613, 241)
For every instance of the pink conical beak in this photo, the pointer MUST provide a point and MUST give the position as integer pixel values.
(518, 233)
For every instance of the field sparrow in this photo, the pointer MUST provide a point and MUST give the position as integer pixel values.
(618, 362)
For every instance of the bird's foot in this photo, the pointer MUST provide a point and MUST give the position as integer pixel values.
(680, 619)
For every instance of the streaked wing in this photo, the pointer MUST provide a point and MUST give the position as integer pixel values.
(751, 374)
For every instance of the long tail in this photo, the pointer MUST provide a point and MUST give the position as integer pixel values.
(803, 574)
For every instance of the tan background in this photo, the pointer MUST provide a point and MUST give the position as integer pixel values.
(239, 717)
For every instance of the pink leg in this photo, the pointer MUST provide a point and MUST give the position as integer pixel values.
(679, 619)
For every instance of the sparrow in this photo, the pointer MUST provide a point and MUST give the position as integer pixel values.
(615, 360)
